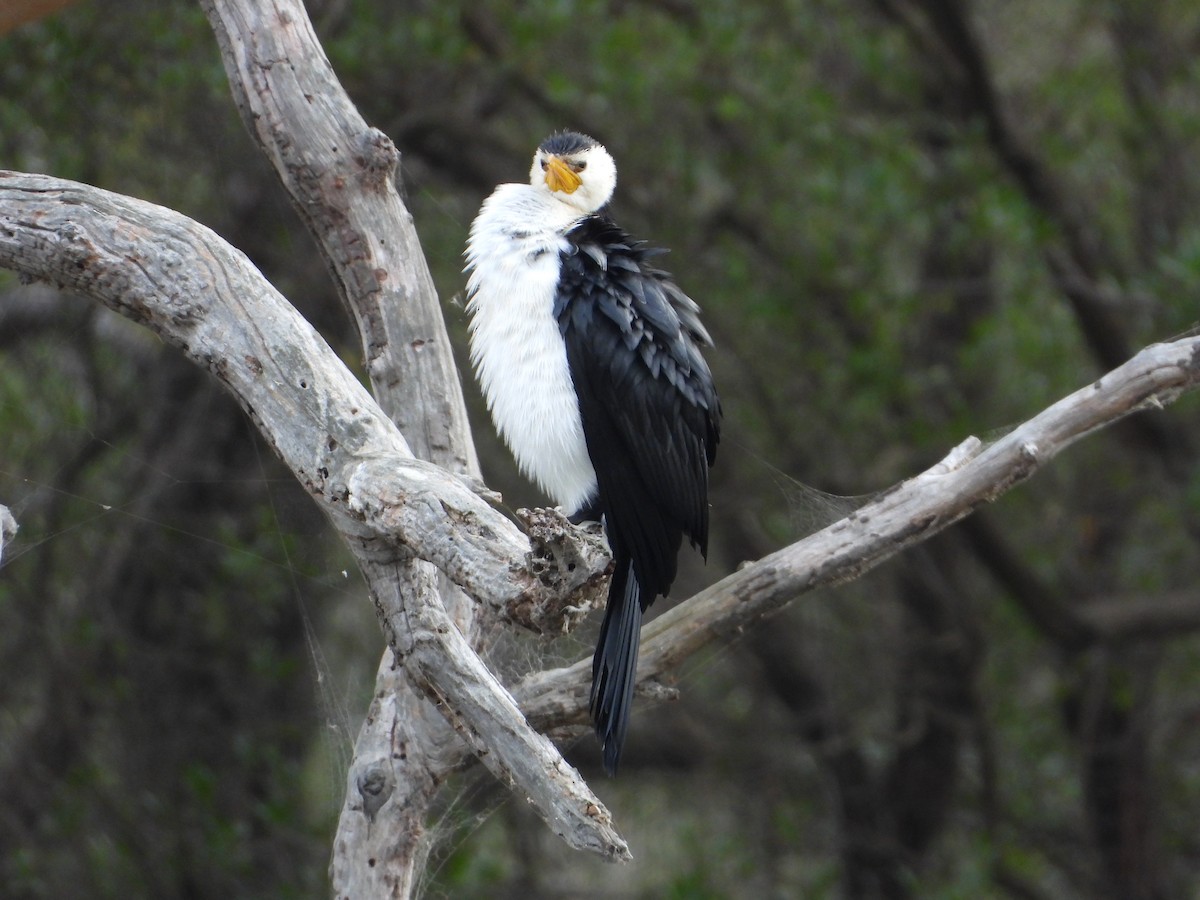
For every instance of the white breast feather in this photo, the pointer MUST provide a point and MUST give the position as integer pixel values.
(516, 348)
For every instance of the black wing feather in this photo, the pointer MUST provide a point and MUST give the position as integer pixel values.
(651, 416)
(651, 419)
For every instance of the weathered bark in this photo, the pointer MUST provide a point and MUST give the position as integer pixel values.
(181, 280)
(340, 174)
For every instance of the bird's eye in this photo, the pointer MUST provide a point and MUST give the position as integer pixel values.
(578, 166)
(545, 164)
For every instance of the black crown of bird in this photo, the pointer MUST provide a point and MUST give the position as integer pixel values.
(589, 359)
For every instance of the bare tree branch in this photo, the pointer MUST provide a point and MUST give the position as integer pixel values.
(186, 284)
(340, 174)
(181, 280)
(900, 517)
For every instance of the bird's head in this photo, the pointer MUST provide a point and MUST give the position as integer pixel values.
(576, 169)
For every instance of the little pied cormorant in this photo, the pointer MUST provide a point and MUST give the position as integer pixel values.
(589, 359)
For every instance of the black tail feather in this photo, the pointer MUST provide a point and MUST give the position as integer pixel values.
(614, 667)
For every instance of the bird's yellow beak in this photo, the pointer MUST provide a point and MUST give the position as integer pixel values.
(559, 176)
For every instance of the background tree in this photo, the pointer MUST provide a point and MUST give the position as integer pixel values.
(907, 221)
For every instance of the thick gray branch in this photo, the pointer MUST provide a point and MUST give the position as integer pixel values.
(480, 709)
(181, 280)
(184, 282)
(340, 173)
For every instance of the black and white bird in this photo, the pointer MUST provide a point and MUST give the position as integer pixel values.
(589, 360)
